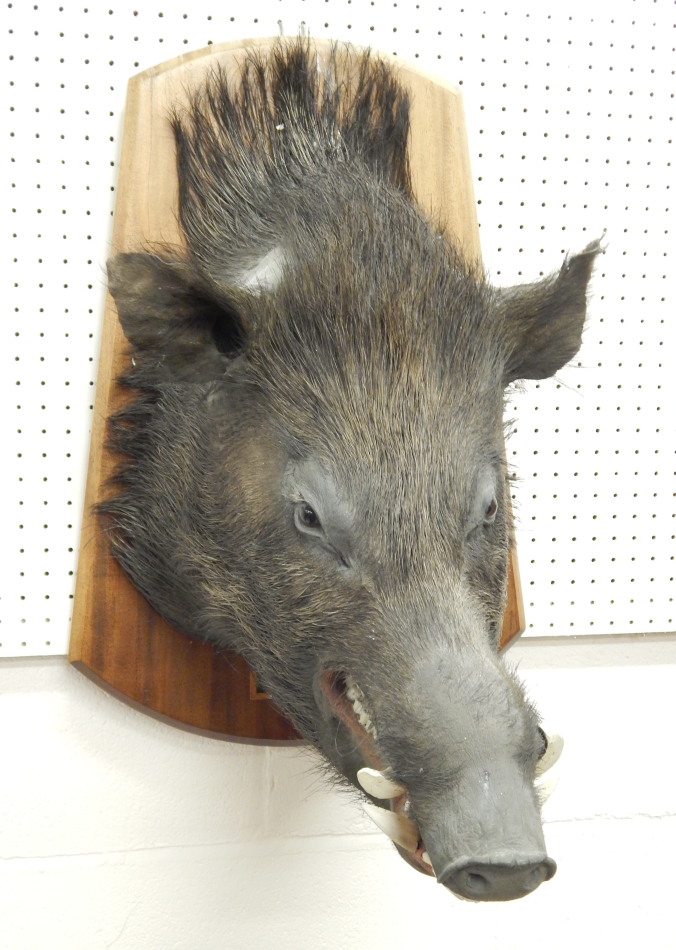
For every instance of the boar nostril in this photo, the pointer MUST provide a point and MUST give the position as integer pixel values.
(476, 883)
(497, 882)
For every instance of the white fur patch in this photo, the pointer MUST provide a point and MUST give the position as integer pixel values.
(266, 273)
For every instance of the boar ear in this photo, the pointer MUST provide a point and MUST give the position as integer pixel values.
(543, 321)
(175, 324)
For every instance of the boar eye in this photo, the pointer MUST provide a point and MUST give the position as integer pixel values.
(491, 511)
(306, 518)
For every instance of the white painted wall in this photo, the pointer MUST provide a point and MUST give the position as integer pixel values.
(120, 831)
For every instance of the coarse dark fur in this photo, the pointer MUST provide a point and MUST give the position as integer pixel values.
(323, 348)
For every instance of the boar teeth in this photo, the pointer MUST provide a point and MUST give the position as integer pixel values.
(552, 754)
(378, 784)
(356, 697)
(401, 830)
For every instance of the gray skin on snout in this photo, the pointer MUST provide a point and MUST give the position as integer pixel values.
(313, 467)
(485, 841)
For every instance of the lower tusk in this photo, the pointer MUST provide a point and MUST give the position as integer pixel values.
(400, 829)
(546, 786)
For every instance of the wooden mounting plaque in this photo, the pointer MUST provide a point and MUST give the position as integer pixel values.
(116, 637)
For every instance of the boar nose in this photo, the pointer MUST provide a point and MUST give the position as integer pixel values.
(498, 880)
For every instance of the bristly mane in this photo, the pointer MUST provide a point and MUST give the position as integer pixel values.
(287, 117)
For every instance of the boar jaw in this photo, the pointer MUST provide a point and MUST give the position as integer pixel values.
(347, 702)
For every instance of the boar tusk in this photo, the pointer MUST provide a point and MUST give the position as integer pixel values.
(545, 787)
(379, 785)
(400, 829)
(552, 754)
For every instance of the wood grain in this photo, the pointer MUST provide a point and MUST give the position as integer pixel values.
(116, 637)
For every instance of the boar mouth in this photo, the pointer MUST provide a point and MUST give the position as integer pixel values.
(347, 702)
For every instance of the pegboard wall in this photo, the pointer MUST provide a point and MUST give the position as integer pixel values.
(570, 117)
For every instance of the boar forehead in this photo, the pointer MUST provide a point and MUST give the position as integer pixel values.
(380, 352)
(370, 287)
